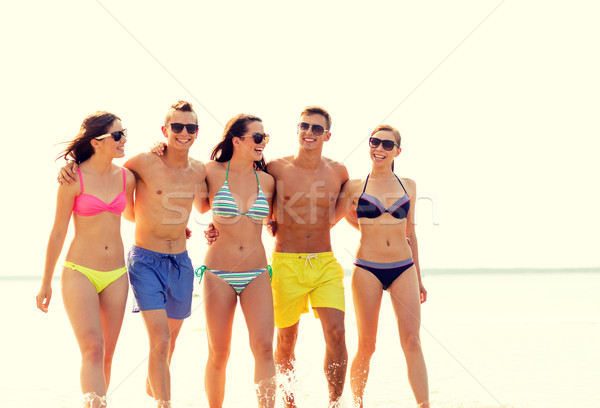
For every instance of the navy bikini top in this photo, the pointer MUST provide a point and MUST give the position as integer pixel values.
(371, 207)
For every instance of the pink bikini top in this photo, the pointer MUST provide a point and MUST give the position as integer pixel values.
(87, 204)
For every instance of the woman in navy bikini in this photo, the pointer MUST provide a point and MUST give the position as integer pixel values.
(94, 280)
(239, 194)
(387, 259)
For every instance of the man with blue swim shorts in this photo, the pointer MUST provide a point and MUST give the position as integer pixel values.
(160, 270)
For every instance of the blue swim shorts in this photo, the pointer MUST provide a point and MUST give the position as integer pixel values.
(161, 281)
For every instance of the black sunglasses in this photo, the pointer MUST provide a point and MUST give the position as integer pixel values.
(258, 137)
(317, 130)
(115, 135)
(388, 145)
(178, 128)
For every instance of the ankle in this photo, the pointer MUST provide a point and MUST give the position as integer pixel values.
(424, 404)
(163, 404)
(93, 400)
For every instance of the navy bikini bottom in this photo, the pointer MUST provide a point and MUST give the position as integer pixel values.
(387, 273)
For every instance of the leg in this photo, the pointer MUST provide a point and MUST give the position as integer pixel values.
(80, 298)
(284, 358)
(220, 301)
(157, 325)
(336, 354)
(112, 309)
(257, 304)
(405, 297)
(174, 329)
(366, 293)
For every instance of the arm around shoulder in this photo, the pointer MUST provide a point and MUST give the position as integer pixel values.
(129, 213)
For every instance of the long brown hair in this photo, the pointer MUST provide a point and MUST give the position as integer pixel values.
(80, 149)
(236, 127)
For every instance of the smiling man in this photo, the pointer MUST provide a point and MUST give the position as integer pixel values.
(304, 268)
(159, 267)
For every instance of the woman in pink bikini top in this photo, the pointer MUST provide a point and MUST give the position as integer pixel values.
(93, 279)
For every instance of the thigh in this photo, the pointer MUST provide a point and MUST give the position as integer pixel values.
(112, 309)
(157, 325)
(257, 305)
(220, 301)
(82, 305)
(404, 293)
(366, 295)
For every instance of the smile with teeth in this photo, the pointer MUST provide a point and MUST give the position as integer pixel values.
(379, 156)
(309, 139)
(183, 140)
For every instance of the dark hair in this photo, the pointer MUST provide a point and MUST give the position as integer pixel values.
(182, 106)
(80, 149)
(317, 110)
(236, 127)
(389, 129)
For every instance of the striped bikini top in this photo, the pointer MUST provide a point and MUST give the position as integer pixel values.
(224, 204)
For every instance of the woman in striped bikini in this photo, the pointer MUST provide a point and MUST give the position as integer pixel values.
(240, 193)
(382, 208)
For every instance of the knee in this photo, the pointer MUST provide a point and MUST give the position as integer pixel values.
(160, 350)
(366, 347)
(262, 348)
(336, 336)
(219, 355)
(411, 342)
(92, 350)
(286, 341)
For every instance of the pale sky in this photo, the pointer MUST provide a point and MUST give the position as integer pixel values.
(497, 103)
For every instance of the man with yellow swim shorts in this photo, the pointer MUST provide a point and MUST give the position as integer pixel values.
(304, 268)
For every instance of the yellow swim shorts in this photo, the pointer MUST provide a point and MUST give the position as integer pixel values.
(300, 277)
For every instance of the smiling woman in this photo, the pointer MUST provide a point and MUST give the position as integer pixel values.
(94, 280)
(239, 193)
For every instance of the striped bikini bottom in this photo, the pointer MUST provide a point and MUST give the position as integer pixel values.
(237, 280)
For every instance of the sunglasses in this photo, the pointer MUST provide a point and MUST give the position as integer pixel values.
(258, 137)
(115, 135)
(387, 145)
(178, 128)
(317, 130)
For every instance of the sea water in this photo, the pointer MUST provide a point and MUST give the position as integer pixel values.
(519, 339)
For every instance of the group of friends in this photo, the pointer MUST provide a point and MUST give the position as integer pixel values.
(299, 198)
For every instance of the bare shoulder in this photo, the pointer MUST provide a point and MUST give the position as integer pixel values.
(337, 167)
(129, 176)
(275, 166)
(408, 182)
(410, 185)
(266, 180)
(214, 166)
(353, 186)
(198, 166)
(141, 161)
